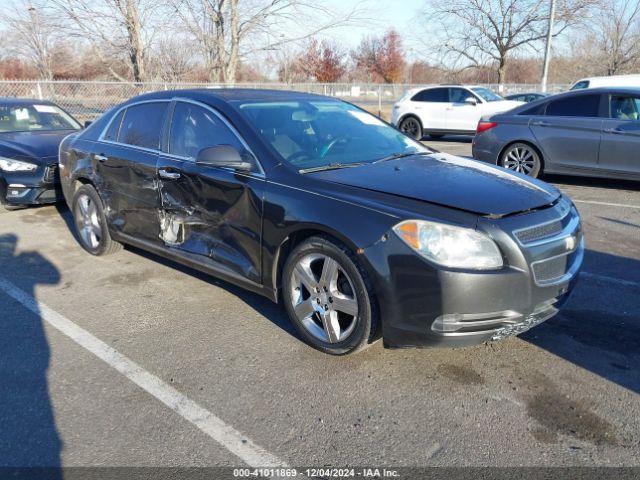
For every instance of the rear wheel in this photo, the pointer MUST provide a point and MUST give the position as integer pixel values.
(411, 126)
(328, 297)
(91, 224)
(522, 158)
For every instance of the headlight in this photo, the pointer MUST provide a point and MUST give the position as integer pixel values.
(450, 246)
(11, 165)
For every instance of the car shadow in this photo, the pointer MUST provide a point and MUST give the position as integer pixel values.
(450, 138)
(599, 327)
(604, 183)
(28, 437)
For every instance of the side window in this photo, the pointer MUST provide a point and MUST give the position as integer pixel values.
(575, 106)
(459, 95)
(142, 124)
(625, 107)
(581, 85)
(114, 127)
(194, 128)
(438, 95)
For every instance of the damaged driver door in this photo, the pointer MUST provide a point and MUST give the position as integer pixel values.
(212, 212)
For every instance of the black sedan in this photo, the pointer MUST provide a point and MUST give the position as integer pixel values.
(30, 134)
(361, 231)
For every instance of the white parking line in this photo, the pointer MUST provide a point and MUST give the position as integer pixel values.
(214, 427)
(593, 202)
(606, 278)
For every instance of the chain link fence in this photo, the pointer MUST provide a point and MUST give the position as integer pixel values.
(87, 100)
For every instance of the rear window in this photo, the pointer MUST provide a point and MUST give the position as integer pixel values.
(432, 95)
(114, 128)
(141, 125)
(575, 106)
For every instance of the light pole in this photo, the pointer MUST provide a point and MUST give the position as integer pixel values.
(547, 52)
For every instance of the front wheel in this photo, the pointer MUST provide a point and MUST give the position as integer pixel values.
(522, 158)
(411, 126)
(328, 297)
(90, 222)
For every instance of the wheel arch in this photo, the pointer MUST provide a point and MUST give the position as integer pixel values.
(295, 238)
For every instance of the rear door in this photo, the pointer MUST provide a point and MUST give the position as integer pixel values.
(431, 107)
(569, 131)
(126, 156)
(214, 213)
(462, 116)
(620, 146)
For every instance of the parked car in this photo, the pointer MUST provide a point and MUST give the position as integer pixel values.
(446, 109)
(30, 133)
(610, 81)
(526, 97)
(360, 230)
(593, 132)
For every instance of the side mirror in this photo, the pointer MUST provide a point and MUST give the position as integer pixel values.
(87, 123)
(471, 101)
(223, 156)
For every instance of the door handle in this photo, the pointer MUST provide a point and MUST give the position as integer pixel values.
(100, 157)
(616, 131)
(541, 124)
(168, 175)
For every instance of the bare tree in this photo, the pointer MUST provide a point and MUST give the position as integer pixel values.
(481, 32)
(615, 27)
(114, 27)
(31, 35)
(230, 30)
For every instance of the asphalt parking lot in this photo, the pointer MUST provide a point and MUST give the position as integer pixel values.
(130, 360)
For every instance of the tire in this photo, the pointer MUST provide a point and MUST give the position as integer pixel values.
(412, 127)
(350, 319)
(436, 136)
(13, 208)
(522, 158)
(91, 224)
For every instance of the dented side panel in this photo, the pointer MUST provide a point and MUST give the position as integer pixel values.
(213, 212)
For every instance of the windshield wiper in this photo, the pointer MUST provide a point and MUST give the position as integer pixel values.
(395, 156)
(330, 166)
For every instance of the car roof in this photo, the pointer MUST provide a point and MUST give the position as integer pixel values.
(23, 101)
(233, 95)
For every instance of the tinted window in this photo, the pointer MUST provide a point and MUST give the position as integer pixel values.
(459, 95)
(142, 124)
(575, 106)
(432, 95)
(537, 110)
(624, 107)
(114, 128)
(581, 85)
(194, 128)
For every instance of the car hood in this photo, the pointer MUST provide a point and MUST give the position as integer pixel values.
(35, 145)
(450, 181)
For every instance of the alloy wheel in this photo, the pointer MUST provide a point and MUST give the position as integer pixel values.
(323, 298)
(521, 159)
(411, 127)
(87, 222)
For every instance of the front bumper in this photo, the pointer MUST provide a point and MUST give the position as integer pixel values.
(41, 186)
(425, 306)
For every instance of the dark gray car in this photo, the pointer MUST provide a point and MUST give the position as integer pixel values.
(591, 133)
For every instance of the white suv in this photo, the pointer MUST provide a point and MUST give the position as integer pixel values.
(443, 109)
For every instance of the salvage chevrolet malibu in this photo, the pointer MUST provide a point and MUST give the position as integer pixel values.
(359, 230)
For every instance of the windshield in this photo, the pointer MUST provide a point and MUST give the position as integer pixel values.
(320, 133)
(487, 95)
(35, 117)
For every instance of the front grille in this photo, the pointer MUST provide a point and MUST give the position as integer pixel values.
(550, 270)
(51, 174)
(539, 232)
